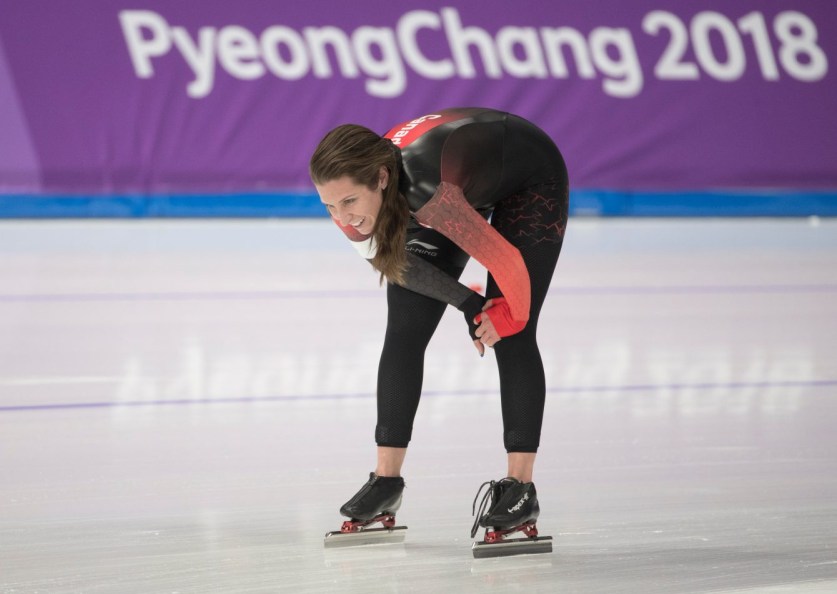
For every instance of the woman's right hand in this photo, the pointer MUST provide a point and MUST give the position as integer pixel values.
(487, 335)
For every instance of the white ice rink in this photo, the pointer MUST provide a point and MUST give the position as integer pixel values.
(184, 405)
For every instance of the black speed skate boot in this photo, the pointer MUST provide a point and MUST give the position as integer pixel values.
(377, 501)
(507, 507)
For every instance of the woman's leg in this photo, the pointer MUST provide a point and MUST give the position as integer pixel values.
(412, 319)
(522, 380)
(390, 461)
(521, 466)
(534, 221)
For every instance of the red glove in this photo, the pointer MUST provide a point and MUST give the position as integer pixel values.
(501, 317)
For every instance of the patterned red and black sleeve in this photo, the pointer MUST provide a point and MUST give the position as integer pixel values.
(421, 276)
(449, 213)
(426, 279)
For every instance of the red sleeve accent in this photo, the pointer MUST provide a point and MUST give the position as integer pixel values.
(449, 213)
(501, 318)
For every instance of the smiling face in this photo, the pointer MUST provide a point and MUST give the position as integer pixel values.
(353, 204)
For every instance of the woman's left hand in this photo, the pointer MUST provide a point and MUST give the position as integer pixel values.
(487, 335)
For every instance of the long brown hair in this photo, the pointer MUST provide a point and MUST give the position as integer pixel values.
(359, 153)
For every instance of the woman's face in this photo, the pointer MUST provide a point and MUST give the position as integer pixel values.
(351, 204)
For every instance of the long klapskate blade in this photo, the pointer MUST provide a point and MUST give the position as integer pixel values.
(369, 536)
(512, 546)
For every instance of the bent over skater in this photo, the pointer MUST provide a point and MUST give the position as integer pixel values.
(438, 180)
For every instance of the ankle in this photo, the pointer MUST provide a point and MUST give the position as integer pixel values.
(390, 460)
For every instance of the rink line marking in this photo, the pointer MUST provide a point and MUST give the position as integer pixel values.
(365, 293)
(183, 296)
(40, 381)
(430, 394)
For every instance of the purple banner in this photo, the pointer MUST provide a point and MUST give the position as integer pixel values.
(150, 96)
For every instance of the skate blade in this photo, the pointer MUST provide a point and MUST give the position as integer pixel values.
(369, 536)
(512, 546)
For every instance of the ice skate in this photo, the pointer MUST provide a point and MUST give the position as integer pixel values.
(376, 502)
(508, 507)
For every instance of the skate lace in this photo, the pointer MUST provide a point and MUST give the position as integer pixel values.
(485, 504)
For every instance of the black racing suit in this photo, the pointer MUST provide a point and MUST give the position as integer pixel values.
(462, 168)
